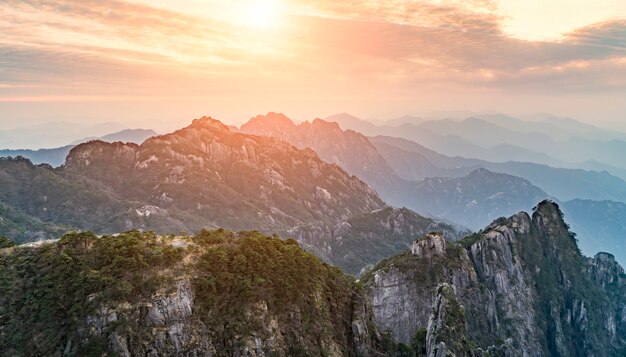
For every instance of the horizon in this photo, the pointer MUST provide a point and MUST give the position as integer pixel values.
(141, 61)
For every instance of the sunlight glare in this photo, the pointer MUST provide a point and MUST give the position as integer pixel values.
(263, 13)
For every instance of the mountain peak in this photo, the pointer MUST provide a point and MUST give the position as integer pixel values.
(327, 124)
(209, 122)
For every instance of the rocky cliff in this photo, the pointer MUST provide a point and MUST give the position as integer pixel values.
(214, 294)
(520, 287)
(201, 176)
(347, 148)
(359, 242)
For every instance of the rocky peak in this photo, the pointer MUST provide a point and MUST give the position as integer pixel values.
(605, 270)
(329, 125)
(431, 245)
(350, 150)
(522, 282)
(269, 124)
(208, 122)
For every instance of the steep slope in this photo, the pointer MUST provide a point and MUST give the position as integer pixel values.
(363, 240)
(476, 199)
(202, 176)
(217, 293)
(39, 199)
(232, 180)
(348, 149)
(521, 287)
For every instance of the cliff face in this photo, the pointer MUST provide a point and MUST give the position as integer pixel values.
(356, 243)
(202, 176)
(346, 148)
(235, 180)
(520, 287)
(214, 294)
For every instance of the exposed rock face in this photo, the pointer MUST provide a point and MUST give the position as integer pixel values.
(348, 149)
(446, 326)
(364, 239)
(432, 245)
(522, 288)
(201, 176)
(218, 293)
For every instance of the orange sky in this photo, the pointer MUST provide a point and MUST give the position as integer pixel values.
(167, 59)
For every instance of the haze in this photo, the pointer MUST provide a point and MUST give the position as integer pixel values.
(159, 63)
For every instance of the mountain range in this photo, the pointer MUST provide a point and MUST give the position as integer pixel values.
(520, 287)
(553, 141)
(202, 176)
(191, 179)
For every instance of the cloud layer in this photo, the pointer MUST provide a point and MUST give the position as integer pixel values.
(92, 47)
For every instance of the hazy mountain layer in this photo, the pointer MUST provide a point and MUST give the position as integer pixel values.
(56, 156)
(496, 138)
(565, 184)
(476, 199)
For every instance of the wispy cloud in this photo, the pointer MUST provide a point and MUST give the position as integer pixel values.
(119, 47)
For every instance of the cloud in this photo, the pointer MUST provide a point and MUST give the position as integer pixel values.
(117, 47)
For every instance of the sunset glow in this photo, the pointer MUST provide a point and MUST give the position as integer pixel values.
(397, 56)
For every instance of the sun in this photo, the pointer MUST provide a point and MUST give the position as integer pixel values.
(263, 13)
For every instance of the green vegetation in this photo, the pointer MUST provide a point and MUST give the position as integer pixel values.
(6, 242)
(241, 272)
(242, 283)
(46, 292)
(469, 240)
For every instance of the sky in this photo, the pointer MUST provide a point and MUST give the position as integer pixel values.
(160, 63)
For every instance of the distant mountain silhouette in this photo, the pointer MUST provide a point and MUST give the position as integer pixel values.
(555, 142)
(56, 156)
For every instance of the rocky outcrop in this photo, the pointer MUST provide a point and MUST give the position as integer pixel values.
(521, 287)
(431, 246)
(218, 293)
(346, 148)
(363, 240)
(201, 176)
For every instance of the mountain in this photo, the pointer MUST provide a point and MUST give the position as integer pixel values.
(136, 136)
(216, 293)
(365, 239)
(482, 137)
(53, 134)
(201, 176)
(56, 156)
(520, 287)
(348, 149)
(476, 199)
(573, 127)
(405, 158)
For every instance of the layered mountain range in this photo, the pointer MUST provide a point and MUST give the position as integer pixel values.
(56, 156)
(520, 287)
(456, 189)
(202, 176)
